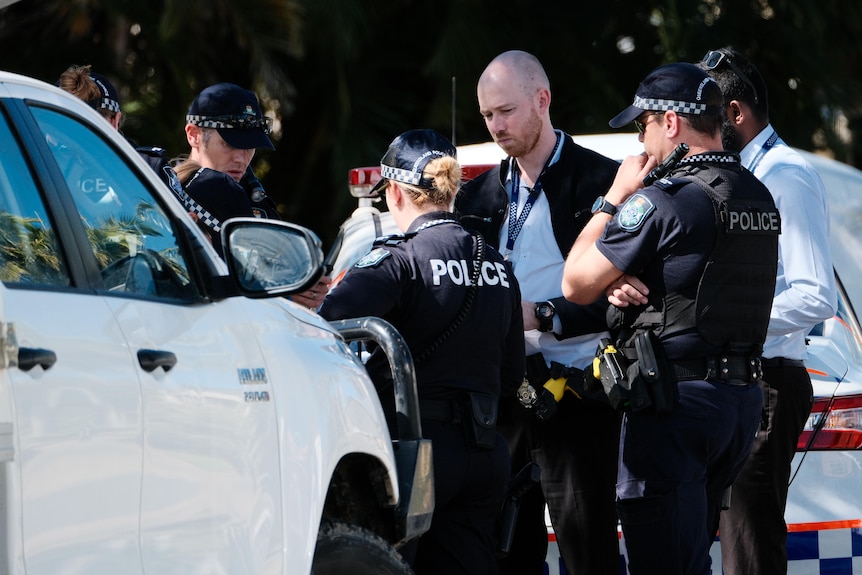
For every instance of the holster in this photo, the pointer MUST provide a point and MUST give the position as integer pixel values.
(613, 370)
(636, 379)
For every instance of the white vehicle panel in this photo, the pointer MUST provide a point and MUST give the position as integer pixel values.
(77, 437)
(211, 495)
(182, 428)
(306, 394)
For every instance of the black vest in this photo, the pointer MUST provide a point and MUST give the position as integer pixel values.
(731, 304)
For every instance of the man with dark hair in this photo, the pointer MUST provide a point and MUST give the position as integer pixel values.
(703, 241)
(753, 531)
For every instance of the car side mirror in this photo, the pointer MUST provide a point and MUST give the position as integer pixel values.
(268, 258)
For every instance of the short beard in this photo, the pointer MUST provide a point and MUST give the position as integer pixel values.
(730, 137)
(527, 143)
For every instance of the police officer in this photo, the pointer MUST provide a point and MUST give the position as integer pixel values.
(224, 127)
(704, 240)
(458, 306)
(97, 91)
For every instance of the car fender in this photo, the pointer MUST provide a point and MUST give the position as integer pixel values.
(327, 410)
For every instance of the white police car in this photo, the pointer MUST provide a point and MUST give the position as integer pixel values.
(153, 420)
(824, 507)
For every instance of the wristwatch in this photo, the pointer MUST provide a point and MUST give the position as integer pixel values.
(545, 312)
(602, 205)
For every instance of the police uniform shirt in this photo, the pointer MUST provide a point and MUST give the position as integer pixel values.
(665, 240)
(418, 282)
(805, 289)
(221, 196)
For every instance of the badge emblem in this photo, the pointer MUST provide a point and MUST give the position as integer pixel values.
(634, 212)
(373, 258)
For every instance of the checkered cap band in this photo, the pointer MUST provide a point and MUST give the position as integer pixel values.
(662, 105)
(231, 122)
(399, 175)
(109, 104)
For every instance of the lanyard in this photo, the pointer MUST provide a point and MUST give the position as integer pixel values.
(516, 222)
(762, 151)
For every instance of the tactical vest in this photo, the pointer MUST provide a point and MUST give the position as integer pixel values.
(731, 304)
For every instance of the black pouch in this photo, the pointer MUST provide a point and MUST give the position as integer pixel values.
(654, 372)
(638, 393)
(481, 426)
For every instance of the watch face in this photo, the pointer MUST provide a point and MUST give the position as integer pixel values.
(597, 204)
(544, 311)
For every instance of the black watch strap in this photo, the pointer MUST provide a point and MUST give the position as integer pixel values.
(602, 205)
(545, 313)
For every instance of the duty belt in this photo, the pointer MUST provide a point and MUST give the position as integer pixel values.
(781, 362)
(720, 367)
(446, 410)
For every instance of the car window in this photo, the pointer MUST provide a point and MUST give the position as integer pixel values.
(132, 238)
(29, 253)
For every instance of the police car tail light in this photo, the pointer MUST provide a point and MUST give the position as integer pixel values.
(361, 180)
(834, 423)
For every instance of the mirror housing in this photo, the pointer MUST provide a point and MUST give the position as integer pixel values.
(268, 258)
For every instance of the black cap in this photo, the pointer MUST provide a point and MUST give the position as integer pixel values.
(109, 99)
(681, 87)
(407, 156)
(235, 113)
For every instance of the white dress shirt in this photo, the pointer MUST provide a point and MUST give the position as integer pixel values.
(538, 265)
(805, 290)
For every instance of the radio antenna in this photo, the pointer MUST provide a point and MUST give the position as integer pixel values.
(453, 111)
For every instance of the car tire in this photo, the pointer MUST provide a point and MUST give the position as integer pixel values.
(343, 548)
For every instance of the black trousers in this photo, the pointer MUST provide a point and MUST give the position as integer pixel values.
(577, 451)
(753, 533)
(469, 485)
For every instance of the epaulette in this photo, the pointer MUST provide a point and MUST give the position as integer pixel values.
(668, 184)
(154, 151)
(393, 239)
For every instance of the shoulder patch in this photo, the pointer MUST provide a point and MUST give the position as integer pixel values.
(373, 258)
(634, 212)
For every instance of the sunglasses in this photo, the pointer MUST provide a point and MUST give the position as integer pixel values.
(641, 124)
(713, 60)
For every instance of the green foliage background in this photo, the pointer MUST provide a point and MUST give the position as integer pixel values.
(343, 77)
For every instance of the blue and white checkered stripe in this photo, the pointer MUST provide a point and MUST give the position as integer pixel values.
(662, 105)
(206, 122)
(400, 175)
(192, 206)
(109, 104)
(815, 552)
(825, 552)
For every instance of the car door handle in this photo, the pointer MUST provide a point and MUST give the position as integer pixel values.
(30, 357)
(151, 359)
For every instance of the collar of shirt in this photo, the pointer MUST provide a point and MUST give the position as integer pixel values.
(753, 148)
(535, 257)
(430, 219)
